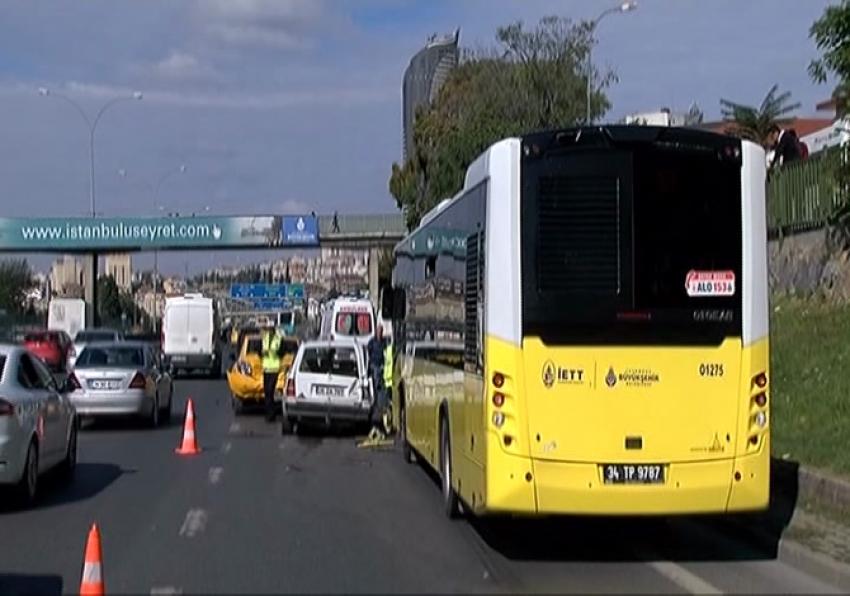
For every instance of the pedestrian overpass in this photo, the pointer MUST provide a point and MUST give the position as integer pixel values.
(372, 232)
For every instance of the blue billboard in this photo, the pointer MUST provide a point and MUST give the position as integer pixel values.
(300, 230)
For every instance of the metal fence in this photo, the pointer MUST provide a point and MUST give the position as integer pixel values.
(804, 195)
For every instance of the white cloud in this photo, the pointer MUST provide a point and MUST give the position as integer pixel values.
(181, 65)
(334, 96)
(283, 24)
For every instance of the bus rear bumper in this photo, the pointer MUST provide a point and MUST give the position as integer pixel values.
(566, 488)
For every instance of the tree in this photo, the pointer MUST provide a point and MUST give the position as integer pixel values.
(15, 279)
(754, 123)
(533, 79)
(831, 34)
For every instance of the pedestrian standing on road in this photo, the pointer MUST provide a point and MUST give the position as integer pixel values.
(376, 351)
(271, 367)
(388, 385)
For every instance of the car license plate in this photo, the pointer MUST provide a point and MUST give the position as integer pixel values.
(104, 385)
(328, 390)
(633, 473)
(178, 358)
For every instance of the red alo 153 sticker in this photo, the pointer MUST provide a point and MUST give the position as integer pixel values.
(710, 283)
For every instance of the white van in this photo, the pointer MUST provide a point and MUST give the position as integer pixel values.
(348, 318)
(190, 335)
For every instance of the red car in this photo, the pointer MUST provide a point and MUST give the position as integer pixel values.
(53, 347)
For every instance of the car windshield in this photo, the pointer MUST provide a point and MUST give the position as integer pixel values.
(111, 357)
(330, 360)
(92, 336)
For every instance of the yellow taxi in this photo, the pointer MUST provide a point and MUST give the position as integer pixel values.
(245, 377)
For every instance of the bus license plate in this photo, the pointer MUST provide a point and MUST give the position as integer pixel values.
(633, 473)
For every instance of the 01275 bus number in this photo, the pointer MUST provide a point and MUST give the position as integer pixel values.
(710, 370)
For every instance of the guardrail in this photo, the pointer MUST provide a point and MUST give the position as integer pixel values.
(802, 196)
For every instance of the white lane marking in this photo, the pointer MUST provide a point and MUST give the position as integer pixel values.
(226, 447)
(683, 578)
(195, 522)
(235, 427)
(164, 590)
(215, 474)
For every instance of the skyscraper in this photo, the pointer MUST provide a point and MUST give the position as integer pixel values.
(424, 76)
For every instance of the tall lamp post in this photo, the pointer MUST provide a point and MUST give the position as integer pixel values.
(625, 7)
(91, 281)
(154, 188)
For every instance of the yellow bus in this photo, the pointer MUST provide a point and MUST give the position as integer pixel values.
(583, 329)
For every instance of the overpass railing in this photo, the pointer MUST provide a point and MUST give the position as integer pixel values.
(362, 225)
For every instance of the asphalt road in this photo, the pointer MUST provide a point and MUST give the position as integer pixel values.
(256, 512)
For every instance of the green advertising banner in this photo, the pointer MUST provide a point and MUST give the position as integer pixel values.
(137, 233)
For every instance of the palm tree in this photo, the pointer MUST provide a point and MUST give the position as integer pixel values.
(754, 123)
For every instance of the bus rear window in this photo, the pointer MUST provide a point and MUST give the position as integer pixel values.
(619, 246)
(334, 361)
(352, 323)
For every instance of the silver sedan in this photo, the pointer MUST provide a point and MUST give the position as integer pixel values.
(38, 423)
(121, 379)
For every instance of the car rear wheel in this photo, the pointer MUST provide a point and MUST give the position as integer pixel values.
(153, 419)
(28, 485)
(406, 450)
(286, 426)
(450, 500)
(69, 464)
(165, 412)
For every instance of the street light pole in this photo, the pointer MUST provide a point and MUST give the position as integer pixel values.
(181, 169)
(627, 6)
(91, 282)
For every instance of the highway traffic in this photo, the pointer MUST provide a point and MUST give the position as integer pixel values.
(257, 512)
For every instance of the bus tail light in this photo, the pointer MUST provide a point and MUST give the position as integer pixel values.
(498, 399)
(498, 419)
(761, 419)
(761, 400)
(498, 380)
(760, 380)
(754, 440)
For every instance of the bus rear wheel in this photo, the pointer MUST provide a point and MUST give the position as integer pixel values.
(450, 500)
(406, 450)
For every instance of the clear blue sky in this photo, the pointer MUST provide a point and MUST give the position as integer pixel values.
(293, 105)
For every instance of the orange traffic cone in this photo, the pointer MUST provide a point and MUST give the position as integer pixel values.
(92, 582)
(189, 445)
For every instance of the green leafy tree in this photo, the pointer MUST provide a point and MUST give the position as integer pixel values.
(831, 34)
(15, 280)
(532, 79)
(753, 123)
(108, 300)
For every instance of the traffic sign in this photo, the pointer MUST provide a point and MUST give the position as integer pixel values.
(258, 290)
(270, 303)
(300, 230)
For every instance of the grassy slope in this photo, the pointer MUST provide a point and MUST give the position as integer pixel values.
(810, 362)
